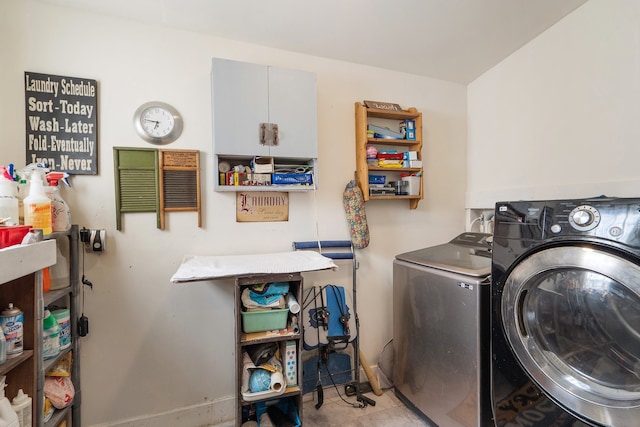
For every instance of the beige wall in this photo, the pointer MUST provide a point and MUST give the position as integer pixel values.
(559, 118)
(153, 346)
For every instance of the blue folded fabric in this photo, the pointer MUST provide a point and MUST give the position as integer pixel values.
(275, 288)
(264, 295)
(263, 299)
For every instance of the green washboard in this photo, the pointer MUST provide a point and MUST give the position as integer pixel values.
(136, 182)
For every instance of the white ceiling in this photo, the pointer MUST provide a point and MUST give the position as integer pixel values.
(453, 40)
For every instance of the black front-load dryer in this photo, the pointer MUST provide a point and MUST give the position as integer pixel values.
(565, 313)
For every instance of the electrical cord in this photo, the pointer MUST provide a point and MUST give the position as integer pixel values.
(83, 321)
(352, 404)
(312, 297)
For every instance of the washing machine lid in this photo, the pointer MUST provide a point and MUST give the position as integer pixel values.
(468, 254)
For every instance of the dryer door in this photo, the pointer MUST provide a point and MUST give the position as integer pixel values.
(572, 317)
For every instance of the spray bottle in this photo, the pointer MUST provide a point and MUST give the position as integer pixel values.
(37, 206)
(9, 206)
(8, 417)
(61, 215)
(21, 176)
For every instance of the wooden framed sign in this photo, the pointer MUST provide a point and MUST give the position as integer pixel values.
(383, 105)
(62, 122)
(258, 206)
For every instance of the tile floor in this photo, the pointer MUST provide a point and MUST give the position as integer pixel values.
(387, 412)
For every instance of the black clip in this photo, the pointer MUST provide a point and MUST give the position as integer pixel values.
(87, 282)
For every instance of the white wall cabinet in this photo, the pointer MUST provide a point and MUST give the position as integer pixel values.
(244, 96)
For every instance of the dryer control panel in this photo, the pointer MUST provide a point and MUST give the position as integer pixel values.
(616, 219)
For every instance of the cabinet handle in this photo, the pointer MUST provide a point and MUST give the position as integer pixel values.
(269, 134)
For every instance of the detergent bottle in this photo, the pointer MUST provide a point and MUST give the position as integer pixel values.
(9, 206)
(8, 417)
(37, 206)
(50, 335)
(22, 405)
(61, 215)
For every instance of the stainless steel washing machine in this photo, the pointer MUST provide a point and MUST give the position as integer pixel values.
(565, 313)
(441, 331)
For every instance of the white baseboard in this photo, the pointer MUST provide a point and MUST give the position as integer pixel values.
(219, 413)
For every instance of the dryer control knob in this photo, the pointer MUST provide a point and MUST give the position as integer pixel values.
(584, 218)
(556, 228)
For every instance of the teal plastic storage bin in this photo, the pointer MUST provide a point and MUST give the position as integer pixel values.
(264, 320)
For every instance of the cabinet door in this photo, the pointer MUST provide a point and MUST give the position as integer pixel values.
(240, 92)
(293, 106)
(245, 95)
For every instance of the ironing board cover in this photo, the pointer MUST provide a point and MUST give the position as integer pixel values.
(194, 268)
(353, 201)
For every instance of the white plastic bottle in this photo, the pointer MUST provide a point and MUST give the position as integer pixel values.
(37, 206)
(9, 202)
(61, 215)
(21, 404)
(60, 270)
(8, 417)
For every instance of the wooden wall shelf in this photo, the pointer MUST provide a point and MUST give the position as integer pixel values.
(364, 116)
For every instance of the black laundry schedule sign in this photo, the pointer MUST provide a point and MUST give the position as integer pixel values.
(62, 122)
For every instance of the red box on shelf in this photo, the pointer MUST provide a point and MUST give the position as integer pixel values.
(390, 156)
(12, 234)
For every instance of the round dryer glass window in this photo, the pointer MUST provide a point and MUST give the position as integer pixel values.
(572, 317)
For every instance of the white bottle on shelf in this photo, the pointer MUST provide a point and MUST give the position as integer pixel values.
(60, 213)
(9, 202)
(60, 270)
(21, 404)
(37, 206)
(8, 417)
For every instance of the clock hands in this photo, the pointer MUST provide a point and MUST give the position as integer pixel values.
(157, 123)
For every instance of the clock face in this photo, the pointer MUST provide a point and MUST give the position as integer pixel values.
(157, 122)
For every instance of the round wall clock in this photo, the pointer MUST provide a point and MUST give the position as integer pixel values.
(157, 122)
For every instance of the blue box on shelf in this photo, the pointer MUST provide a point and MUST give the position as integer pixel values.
(410, 126)
(292, 178)
(377, 179)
